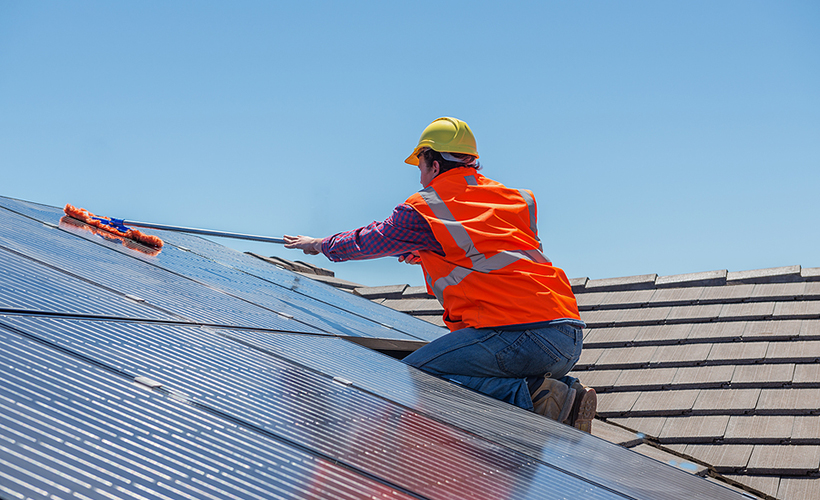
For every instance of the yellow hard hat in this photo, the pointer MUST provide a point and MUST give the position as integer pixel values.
(445, 135)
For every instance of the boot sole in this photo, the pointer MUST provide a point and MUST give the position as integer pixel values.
(587, 408)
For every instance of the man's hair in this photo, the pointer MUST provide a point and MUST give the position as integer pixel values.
(445, 165)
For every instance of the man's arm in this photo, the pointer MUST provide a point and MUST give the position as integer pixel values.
(401, 234)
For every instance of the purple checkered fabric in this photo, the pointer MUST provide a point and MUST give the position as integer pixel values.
(401, 233)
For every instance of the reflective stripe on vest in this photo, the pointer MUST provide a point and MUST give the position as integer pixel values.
(480, 262)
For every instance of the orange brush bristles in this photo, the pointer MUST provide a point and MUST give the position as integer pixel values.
(89, 218)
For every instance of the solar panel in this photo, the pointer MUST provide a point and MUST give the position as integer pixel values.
(236, 400)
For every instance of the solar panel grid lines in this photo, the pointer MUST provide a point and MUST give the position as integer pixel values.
(138, 443)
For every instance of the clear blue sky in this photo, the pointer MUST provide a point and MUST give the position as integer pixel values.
(658, 137)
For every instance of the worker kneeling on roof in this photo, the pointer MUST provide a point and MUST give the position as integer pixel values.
(515, 331)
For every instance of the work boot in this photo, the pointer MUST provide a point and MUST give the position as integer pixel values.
(553, 399)
(583, 408)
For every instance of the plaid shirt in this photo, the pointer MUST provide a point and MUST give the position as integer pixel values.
(401, 233)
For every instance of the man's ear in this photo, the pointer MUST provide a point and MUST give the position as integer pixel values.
(436, 167)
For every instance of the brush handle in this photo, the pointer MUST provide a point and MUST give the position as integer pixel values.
(208, 232)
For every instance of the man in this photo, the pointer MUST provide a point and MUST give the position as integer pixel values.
(515, 331)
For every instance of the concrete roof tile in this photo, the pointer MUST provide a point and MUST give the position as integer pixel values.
(799, 487)
(602, 317)
(612, 336)
(676, 295)
(704, 376)
(643, 281)
(746, 311)
(806, 374)
(699, 312)
(694, 429)
(760, 427)
(415, 306)
(734, 352)
(416, 292)
(670, 459)
(615, 434)
(646, 315)
(723, 457)
(665, 402)
(810, 328)
(644, 426)
(663, 333)
(383, 292)
(797, 309)
(435, 320)
(590, 300)
(796, 351)
(589, 357)
(768, 375)
(707, 278)
(623, 357)
(726, 401)
(806, 428)
(681, 354)
(810, 272)
(635, 298)
(812, 290)
(613, 404)
(723, 330)
(779, 291)
(788, 401)
(646, 379)
(767, 485)
(786, 329)
(578, 284)
(598, 379)
(769, 275)
(727, 293)
(784, 459)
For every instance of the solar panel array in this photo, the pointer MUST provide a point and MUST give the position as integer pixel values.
(201, 372)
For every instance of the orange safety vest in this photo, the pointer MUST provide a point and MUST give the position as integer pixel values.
(493, 272)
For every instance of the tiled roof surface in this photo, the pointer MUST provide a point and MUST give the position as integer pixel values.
(719, 369)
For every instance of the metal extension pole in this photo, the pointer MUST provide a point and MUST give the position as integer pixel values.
(208, 232)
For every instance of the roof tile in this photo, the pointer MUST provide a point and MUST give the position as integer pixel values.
(767, 485)
(724, 330)
(663, 333)
(665, 402)
(807, 374)
(416, 306)
(728, 293)
(734, 352)
(788, 401)
(782, 329)
(723, 457)
(699, 312)
(784, 459)
(416, 292)
(779, 291)
(383, 292)
(643, 281)
(726, 401)
(681, 354)
(615, 434)
(635, 298)
(612, 336)
(623, 357)
(770, 275)
(802, 351)
(708, 278)
(694, 429)
(810, 328)
(670, 459)
(806, 428)
(650, 426)
(799, 487)
(704, 377)
(589, 357)
(747, 310)
(676, 296)
(768, 375)
(797, 309)
(760, 427)
(646, 379)
(616, 403)
(598, 379)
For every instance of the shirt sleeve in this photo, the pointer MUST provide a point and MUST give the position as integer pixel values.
(403, 232)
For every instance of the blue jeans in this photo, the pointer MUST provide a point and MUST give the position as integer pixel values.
(497, 361)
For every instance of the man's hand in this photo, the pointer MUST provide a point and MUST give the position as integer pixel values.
(410, 258)
(311, 246)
